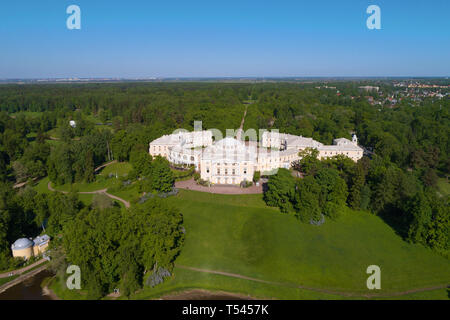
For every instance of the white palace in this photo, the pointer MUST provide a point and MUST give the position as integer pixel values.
(231, 160)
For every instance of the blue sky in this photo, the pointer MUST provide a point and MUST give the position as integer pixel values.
(224, 38)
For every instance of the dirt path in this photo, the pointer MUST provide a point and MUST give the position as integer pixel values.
(332, 292)
(125, 202)
(21, 184)
(202, 294)
(22, 270)
(218, 189)
(101, 191)
(241, 128)
(104, 165)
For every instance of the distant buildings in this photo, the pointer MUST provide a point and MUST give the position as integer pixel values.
(370, 88)
(27, 248)
(72, 123)
(231, 161)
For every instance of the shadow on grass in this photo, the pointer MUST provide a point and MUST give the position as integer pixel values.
(394, 218)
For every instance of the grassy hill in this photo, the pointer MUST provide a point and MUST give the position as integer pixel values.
(238, 234)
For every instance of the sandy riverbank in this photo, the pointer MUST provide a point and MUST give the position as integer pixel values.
(46, 291)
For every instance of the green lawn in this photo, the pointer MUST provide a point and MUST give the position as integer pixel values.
(53, 142)
(239, 234)
(128, 193)
(32, 114)
(6, 280)
(443, 186)
(61, 291)
(100, 182)
(186, 279)
(42, 186)
(54, 133)
(121, 169)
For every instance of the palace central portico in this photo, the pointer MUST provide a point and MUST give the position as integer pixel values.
(231, 161)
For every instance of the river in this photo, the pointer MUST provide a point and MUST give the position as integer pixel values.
(29, 289)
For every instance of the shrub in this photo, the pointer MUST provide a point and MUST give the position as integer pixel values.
(246, 184)
(256, 176)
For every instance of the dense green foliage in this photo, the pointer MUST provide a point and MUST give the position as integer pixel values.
(155, 175)
(116, 249)
(416, 211)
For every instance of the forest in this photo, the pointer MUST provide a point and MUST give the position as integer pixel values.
(399, 178)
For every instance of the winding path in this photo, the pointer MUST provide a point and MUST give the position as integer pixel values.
(101, 191)
(327, 291)
(104, 165)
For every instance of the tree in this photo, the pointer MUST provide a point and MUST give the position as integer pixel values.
(430, 178)
(161, 176)
(308, 163)
(62, 209)
(280, 190)
(256, 176)
(419, 211)
(439, 230)
(162, 235)
(115, 248)
(141, 162)
(130, 270)
(89, 167)
(59, 165)
(333, 192)
(102, 201)
(307, 200)
(357, 183)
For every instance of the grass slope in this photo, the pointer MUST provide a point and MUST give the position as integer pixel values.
(239, 234)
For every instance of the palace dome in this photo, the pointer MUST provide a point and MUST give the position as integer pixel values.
(228, 143)
(22, 243)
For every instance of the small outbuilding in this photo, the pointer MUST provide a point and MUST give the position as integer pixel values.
(27, 248)
(23, 247)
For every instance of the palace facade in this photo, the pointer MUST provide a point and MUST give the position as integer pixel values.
(232, 161)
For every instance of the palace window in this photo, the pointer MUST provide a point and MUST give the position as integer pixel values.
(245, 170)
(207, 170)
(218, 170)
